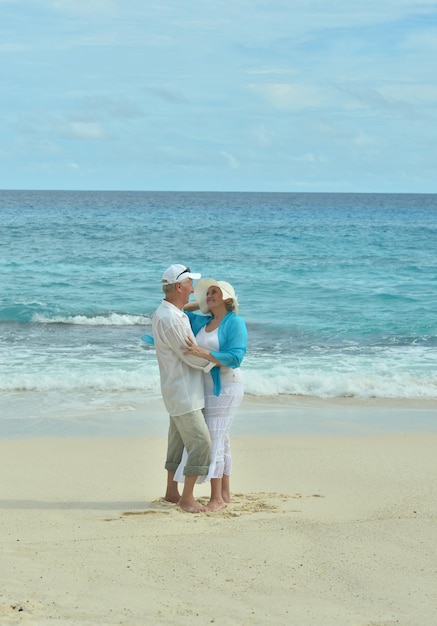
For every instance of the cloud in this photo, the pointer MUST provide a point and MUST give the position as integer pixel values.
(262, 135)
(358, 138)
(363, 140)
(289, 96)
(111, 107)
(416, 93)
(12, 47)
(425, 40)
(84, 130)
(271, 71)
(309, 157)
(168, 95)
(403, 99)
(232, 161)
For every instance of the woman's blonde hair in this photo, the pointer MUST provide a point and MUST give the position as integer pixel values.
(231, 306)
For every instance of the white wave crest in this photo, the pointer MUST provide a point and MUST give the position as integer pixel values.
(335, 384)
(145, 379)
(109, 319)
(271, 382)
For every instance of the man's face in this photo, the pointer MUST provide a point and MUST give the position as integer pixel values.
(187, 289)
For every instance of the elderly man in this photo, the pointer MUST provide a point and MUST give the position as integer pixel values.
(182, 387)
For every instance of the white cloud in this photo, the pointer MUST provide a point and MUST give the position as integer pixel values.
(262, 135)
(96, 106)
(413, 93)
(84, 130)
(363, 140)
(232, 161)
(169, 95)
(288, 96)
(358, 138)
(309, 157)
(12, 47)
(424, 41)
(272, 71)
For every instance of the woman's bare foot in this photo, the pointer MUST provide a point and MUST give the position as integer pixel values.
(191, 506)
(226, 488)
(216, 505)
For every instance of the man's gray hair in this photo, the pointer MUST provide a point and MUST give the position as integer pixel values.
(168, 288)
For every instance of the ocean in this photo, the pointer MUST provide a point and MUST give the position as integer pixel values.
(338, 291)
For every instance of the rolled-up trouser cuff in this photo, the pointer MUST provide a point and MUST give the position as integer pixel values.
(191, 470)
(189, 430)
(196, 470)
(171, 467)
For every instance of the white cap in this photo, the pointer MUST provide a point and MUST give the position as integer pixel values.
(177, 273)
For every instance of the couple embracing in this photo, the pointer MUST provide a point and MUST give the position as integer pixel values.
(199, 357)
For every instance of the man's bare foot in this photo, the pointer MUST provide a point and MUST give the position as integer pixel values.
(216, 505)
(172, 497)
(191, 506)
(227, 498)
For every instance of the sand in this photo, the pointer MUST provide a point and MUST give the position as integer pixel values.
(326, 529)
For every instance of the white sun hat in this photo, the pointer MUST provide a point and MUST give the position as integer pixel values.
(201, 289)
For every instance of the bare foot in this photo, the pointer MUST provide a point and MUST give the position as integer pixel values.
(191, 506)
(216, 505)
(225, 490)
(172, 497)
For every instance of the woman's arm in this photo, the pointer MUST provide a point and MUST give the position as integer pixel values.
(193, 349)
(233, 340)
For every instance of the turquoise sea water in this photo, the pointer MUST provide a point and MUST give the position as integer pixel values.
(339, 291)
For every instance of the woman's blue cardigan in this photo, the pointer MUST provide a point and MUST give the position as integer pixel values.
(232, 336)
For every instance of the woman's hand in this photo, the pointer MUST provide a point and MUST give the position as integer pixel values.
(191, 306)
(195, 350)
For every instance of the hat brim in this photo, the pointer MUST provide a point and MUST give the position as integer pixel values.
(201, 289)
(193, 275)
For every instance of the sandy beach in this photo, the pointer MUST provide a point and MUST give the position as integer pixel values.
(327, 528)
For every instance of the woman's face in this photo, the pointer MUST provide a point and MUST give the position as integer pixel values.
(214, 298)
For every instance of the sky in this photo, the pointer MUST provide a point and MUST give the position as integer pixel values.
(215, 95)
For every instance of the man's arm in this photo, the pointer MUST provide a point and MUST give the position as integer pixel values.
(177, 338)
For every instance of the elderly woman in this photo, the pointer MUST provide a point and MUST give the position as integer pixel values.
(221, 337)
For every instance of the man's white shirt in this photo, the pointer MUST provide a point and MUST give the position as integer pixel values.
(181, 375)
